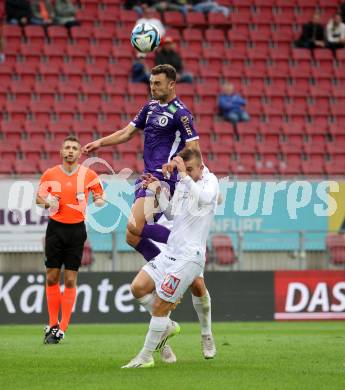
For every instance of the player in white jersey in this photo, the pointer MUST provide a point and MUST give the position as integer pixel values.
(161, 283)
(164, 121)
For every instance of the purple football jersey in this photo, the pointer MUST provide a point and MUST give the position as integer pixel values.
(167, 128)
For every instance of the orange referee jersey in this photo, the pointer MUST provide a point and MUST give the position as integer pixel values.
(72, 189)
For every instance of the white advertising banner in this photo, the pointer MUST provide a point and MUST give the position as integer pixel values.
(22, 223)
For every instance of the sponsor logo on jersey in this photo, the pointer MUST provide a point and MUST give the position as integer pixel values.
(186, 125)
(170, 284)
(172, 108)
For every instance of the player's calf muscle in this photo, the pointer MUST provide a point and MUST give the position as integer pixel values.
(198, 287)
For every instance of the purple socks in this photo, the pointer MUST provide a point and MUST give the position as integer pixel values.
(148, 249)
(156, 232)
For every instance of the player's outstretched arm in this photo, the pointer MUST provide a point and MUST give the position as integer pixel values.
(193, 145)
(116, 138)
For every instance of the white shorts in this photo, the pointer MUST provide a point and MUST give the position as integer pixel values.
(172, 277)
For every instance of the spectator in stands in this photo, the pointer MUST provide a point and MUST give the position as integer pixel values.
(173, 5)
(231, 105)
(140, 71)
(335, 34)
(148, 17)
(65, 13)
(168, 55)
(208, 6)
(42, 12)
(136, 5)
(18, 12)
(313, 34)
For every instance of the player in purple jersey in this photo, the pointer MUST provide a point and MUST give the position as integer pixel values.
(168, 128)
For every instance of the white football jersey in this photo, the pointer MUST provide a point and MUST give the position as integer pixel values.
(192, 209)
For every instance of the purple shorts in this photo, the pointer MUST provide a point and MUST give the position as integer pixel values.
(142, 193)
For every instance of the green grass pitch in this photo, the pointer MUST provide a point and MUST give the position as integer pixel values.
(250, 356)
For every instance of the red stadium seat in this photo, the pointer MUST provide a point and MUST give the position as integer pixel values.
(241, 18)
(313, 167)
(6, 166)
(337, 110)
(128, 17)
(192, 34)
(196, 19)
(267, 165)
(335, 244)
(174, 19)
(35, 34)
(265, 17)
(218, 20)
(333, 168)
(215, 38)
(291, 165)
(238, 35)
(105, 34)
(245, 165)
(58, 34)
(25, 167)
(223, 250)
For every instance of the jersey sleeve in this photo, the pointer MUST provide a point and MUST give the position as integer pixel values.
(139, 120)
(95, 184)
(44, 187)
(207, 195)
(184, 122)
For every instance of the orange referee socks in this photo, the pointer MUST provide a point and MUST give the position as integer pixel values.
(53, 294)
(67, 302)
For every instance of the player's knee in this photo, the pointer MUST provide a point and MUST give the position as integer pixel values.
(70, 282)
(52, 280)
(137, 290)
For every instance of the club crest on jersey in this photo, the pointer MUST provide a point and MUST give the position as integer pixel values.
(163, 121)
(170, 284)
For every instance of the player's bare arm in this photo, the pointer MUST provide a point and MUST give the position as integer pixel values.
(169, 167)
(119, 137)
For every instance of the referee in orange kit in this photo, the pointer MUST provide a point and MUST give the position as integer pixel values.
(64, 190)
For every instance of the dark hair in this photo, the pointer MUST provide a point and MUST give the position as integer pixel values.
(168, 70)
(71, 138)
(188, 154)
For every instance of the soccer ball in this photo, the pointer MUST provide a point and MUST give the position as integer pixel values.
(145, 37)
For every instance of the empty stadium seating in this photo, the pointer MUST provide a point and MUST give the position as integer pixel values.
(54, 84)
(223, 250)
(336, 248)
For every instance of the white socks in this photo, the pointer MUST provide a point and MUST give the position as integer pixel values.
(202, 306)
(158, 326)
(147, 301)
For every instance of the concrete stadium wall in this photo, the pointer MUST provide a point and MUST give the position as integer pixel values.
(131, 261)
